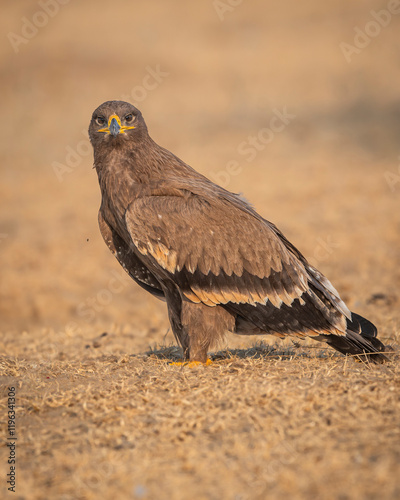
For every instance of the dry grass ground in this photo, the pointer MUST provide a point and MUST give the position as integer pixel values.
(256, 424)
(106, 416)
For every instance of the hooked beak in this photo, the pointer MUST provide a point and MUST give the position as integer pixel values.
(114, 126)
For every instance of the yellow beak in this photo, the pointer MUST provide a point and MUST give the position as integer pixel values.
(114, 126)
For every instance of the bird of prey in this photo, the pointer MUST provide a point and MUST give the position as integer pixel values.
(218, 264)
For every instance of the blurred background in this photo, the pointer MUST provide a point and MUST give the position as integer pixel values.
(294, 104)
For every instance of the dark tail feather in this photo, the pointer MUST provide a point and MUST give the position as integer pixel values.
(360, 340)
(362, 326)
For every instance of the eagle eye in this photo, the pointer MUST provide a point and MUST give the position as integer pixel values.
(100, 120)
(129, 118)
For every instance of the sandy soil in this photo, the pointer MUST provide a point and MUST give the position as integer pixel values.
(106, 416)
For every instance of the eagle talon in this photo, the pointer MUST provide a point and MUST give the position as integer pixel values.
(191, 364)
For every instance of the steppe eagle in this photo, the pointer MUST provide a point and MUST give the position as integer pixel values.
(216, 262)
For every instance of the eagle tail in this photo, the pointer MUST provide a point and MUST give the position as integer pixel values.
(360, 340)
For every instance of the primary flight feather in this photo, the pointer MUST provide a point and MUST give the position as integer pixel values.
(219, 265)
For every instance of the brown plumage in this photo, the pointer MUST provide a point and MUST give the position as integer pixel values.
(218, 264)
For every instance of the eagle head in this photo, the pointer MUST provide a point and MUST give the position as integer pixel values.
(114, 122)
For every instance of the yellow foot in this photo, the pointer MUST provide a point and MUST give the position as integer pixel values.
(192, 364)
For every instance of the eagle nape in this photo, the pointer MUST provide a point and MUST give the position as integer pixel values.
(219, 265)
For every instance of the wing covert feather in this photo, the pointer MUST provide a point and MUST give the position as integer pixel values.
(214, 251)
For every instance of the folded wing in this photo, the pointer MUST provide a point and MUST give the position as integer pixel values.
(222, 253)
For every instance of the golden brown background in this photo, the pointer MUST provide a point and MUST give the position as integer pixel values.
(330, 180)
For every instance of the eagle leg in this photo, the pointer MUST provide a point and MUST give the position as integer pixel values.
(205, 326)
(174, 303)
